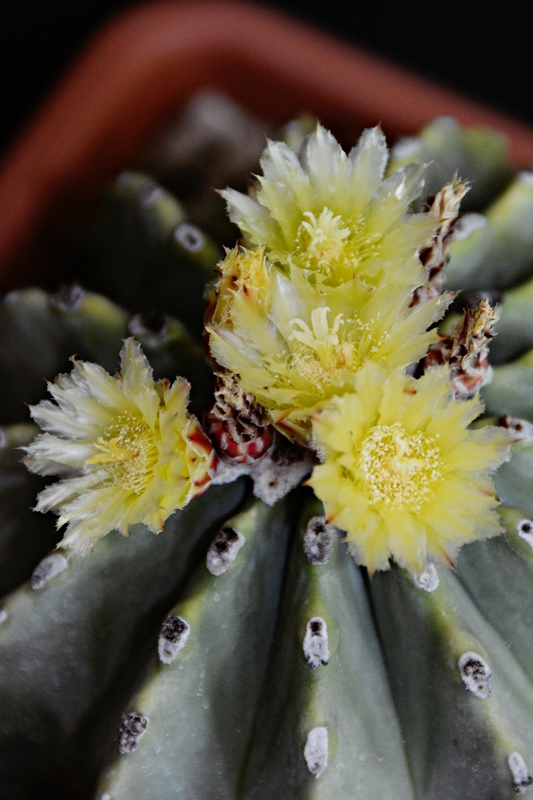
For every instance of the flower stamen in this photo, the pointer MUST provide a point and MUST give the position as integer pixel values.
(399, 469)
(127, 453)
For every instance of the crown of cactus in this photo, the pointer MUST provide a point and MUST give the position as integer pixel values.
(337, 601)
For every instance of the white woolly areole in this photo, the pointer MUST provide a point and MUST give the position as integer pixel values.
(318, 540)
(525, 177)
(132, 728)
(520, 430)
(3, 615)
(316, 644)
(47, 569)
(189, 237)
(150, 194)
(274, 478)
(223, 550)
(316, 751)
(521, 778)
(467, 224)
(428, 579)
(173, 638)
(475, 674)
(525, 530)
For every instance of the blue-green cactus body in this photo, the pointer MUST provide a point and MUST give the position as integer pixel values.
(241, 654)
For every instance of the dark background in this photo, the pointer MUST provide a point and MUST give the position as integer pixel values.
(484, 50)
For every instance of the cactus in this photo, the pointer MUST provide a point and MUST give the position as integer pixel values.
(267, 642)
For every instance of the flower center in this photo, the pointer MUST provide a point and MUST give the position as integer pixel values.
(332, 246)
(323, 354)
(128, 453)
(399, 468)
(321, 239)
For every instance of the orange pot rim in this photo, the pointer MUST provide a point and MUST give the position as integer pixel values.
(148, 61)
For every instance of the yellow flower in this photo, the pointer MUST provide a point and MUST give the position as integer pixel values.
(401, 473)
(332, 214)
(293, 347)
(126, 447)
(242, 272)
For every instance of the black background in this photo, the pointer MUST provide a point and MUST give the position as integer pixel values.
(484, 50)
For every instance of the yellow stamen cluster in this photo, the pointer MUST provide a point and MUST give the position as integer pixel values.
(398, 468)
(128, 453)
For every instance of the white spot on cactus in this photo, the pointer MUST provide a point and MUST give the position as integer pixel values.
(476, 675)
(47, 569)
(132, 729)
(227, 472)
(150, 193)
(525, 530)
(428, 580)
(316, 644)
(173, 638)
(406, 147)
(467, 224)
(318, 540)
(11, 297)
(316, 751)
(3, 615)
(69, 298)
(224, 550)
(151, 326)
(3, 438)
(525, 177)
(189, 237)
(280, 471)
(521, 778)
(519, 430)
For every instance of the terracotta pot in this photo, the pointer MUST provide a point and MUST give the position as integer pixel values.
(149, 60)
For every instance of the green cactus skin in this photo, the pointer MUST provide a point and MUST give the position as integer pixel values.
(496, 251)
(477, 155)
(327, 685)
(509, 392)
(71, 648)
(145, 248)
(285, 671)
(459, 732)
(213, 684)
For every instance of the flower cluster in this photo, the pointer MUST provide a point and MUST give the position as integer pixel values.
(326, 280)
(314, 323)
(333, 295)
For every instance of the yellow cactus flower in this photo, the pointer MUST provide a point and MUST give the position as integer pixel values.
(242, 272)
(294, 347)
(332, 214)
(402, 474)
(125, 446)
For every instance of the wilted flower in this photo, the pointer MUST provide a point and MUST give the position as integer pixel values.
(125, 446)
(401, 472)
